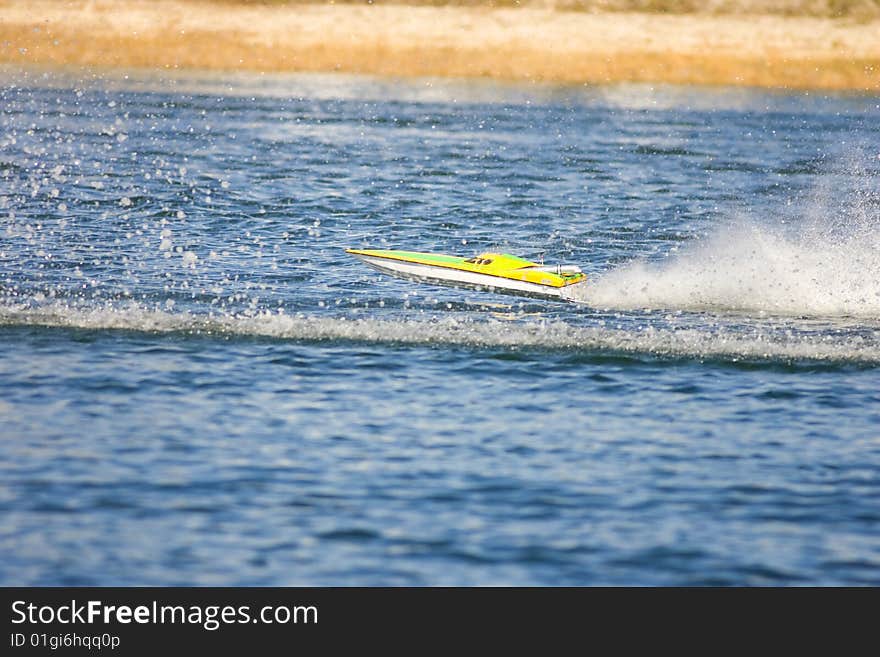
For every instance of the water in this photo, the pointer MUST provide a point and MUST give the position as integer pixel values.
(197, 385)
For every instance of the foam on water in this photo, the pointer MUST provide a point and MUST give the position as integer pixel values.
(708, 341)
(746, 267)
(822, 262)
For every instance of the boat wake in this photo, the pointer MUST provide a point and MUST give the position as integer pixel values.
(824, 263)
(750, 269)
(709, 341)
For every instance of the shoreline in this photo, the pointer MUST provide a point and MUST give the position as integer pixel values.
(464, 42)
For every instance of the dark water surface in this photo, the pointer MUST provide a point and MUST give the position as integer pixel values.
(197, 385)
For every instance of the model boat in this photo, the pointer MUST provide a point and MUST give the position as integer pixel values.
(495, 272)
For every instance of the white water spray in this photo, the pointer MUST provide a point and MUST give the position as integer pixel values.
(824, 263)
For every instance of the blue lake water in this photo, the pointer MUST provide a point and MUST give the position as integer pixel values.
(199, 387)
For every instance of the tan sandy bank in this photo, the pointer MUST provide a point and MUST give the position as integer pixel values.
(515, 44)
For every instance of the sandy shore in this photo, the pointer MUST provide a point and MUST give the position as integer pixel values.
(516, 44)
